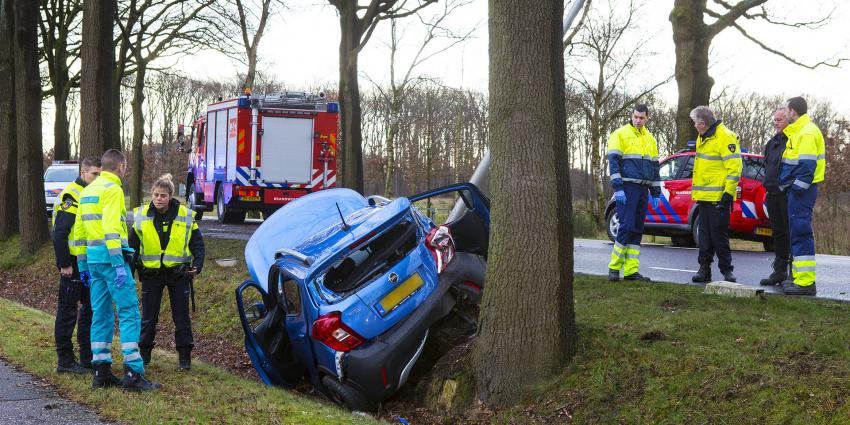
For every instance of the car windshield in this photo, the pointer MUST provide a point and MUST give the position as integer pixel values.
(65, 174)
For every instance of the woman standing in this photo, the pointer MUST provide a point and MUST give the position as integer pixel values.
(169, 253)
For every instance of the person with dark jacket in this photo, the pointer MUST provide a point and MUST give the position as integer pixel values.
(170, 252)
(74, 304)
(776, 200)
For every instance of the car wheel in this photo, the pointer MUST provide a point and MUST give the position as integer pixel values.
(224, 213)
(768, 245)
(695, 229)
(346, 396)
(683, 241)
(613, 224)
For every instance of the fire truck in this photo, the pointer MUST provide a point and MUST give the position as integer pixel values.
(259, 153)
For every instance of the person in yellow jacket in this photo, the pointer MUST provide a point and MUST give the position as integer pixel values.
(104, 229)
(170, 253)
(717, 170)
(803, 167)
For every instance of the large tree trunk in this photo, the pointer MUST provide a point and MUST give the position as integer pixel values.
(137, 168)
(252, 68)
(61, 131)
(527, 331)
(8, 142)
(98, 100)
(349, 98)
(395, 106)
(692, 39)
(33, 226)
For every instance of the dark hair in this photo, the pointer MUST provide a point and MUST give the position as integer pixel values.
(641, 107)
(112, 160)
(89, 161)
(798, 104)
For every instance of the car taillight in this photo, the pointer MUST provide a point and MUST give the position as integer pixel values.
(439, 241)
(329, 330)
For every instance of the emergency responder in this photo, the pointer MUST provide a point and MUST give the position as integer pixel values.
(73, 307)
(633, 167)
(717, 170)
(803, 167)
(170, 253)
(104, 229)
(776, 200)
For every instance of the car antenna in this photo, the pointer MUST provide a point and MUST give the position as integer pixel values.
(345, 225)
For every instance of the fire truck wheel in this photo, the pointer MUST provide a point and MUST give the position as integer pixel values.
(192, 198)
(225, 213)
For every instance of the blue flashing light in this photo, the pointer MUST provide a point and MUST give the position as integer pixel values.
(243, 102)
(745, 150)
(692, 144)
(333, 107)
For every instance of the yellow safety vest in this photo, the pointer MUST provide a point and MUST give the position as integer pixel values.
(103, 222)
(717, 167)
(805, 144)
(176, 251)
(75, 247)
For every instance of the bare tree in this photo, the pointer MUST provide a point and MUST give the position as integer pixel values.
(357, 23)
(8, 142)
(532, 208)
(33, 227)
(692, 36)
(251, 17)
(98, 100)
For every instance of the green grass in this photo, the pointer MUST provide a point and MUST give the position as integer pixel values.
(663, 353)
(205, 395)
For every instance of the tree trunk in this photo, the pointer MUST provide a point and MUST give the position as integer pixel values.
(137, 168)
(349, 98)
(61, 131)
(252, 68)
(98, 102)
(395, 106)
(692, 40)
(33, 226)
(8, 142)
(527, 327)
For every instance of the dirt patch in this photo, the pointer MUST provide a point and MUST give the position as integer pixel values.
(674, 304)
(653, 336)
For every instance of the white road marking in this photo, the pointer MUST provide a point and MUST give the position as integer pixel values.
(674, 270)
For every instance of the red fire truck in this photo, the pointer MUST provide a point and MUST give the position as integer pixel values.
(260, 152)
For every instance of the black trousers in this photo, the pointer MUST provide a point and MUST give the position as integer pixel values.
(777, 208)
(73, 309)
(178, 294)
(714, 236)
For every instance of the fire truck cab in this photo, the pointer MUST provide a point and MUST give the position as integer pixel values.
(259, 153)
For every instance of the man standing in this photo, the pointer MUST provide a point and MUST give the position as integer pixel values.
(633, 167)
(717, 170)
(776, 200)
(104, 229)
(803, 167)
(73, 306)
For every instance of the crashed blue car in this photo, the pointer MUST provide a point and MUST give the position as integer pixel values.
(344, 288)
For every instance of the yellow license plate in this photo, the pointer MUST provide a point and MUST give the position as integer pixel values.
(401, 293)
(765, 231)
(249, 198)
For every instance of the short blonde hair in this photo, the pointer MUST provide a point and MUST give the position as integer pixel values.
(164, 181)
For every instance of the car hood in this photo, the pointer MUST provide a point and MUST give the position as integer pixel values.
(54, 188)
(312, 226)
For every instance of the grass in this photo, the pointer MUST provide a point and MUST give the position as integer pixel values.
(205, 395)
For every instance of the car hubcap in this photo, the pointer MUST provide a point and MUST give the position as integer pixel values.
(614, 225)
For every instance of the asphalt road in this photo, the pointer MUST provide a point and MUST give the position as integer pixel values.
(659, 262)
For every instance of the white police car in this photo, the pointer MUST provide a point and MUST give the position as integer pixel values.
(56, 177)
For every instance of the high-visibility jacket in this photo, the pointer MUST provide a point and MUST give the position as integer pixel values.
(176, 251)
(717, 167)
(104, 222)
(633, 157)
(804, 159)
(69, 201)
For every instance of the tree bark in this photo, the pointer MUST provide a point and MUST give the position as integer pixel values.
(527, 328)
(33, 226)
(349, 98)
(98, 97)
(692, 39)
(61, 129)
(8, 142)
(137, 167)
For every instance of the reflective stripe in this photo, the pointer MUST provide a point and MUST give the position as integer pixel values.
(133, 356)
(106, 356)
(708, 188)
(129, 345)
(114, 251)
(790, 161)
(653, 158)
(808, 157)
(632, 156)
(96, 242)
(821, 156)
(616, 176)
(176, 258)
(615, 152)
(804, 258)
(112, 236)
(87, 217)
(96, 345)
(638, 181)
(76, 243)
(82, 257)
(709, 157)
(733, 178)
(75, 191)
(186, 219)
(802, 184)
(732, 156)
(656, 183)
(149, 257)
(108, 184)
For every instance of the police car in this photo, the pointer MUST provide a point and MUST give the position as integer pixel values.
(56, 177)
(677, 213)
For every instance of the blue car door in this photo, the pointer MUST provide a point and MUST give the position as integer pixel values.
(469, 220)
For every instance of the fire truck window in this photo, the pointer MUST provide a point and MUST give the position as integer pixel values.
(688, 171)
(670, 169)
(753, 169)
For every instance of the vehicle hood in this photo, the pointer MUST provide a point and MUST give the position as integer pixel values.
(54, 188)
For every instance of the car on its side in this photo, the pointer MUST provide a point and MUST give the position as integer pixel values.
(344, 289)
(677, 213)
(57, 176)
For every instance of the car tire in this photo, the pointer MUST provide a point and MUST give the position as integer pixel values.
(192, 202)
(224, 213)
(768, 245)
(683, 241)
(612, 224)
(346, 396)
(695, 229)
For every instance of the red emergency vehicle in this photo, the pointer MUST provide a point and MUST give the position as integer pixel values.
(676, 214)
(260, 152)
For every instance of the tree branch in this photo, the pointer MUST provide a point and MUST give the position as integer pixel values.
(835, 64)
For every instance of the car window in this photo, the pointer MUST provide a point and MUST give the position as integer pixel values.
(64, 174)
(753, 168)
(688, 171)
(293, 297)
(670, 169)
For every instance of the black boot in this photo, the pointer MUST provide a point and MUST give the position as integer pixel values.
(103, 376)
(729, 277)
(146, 354)
(775, 278)
(613, 275)
(68, 364)
(790, 288)
(703, 275)
(637, 277)
(134, 381)
(184, 359)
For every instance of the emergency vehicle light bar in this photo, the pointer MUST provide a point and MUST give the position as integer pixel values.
(290, 100)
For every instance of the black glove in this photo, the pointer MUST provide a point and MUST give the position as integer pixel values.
(725, 201)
